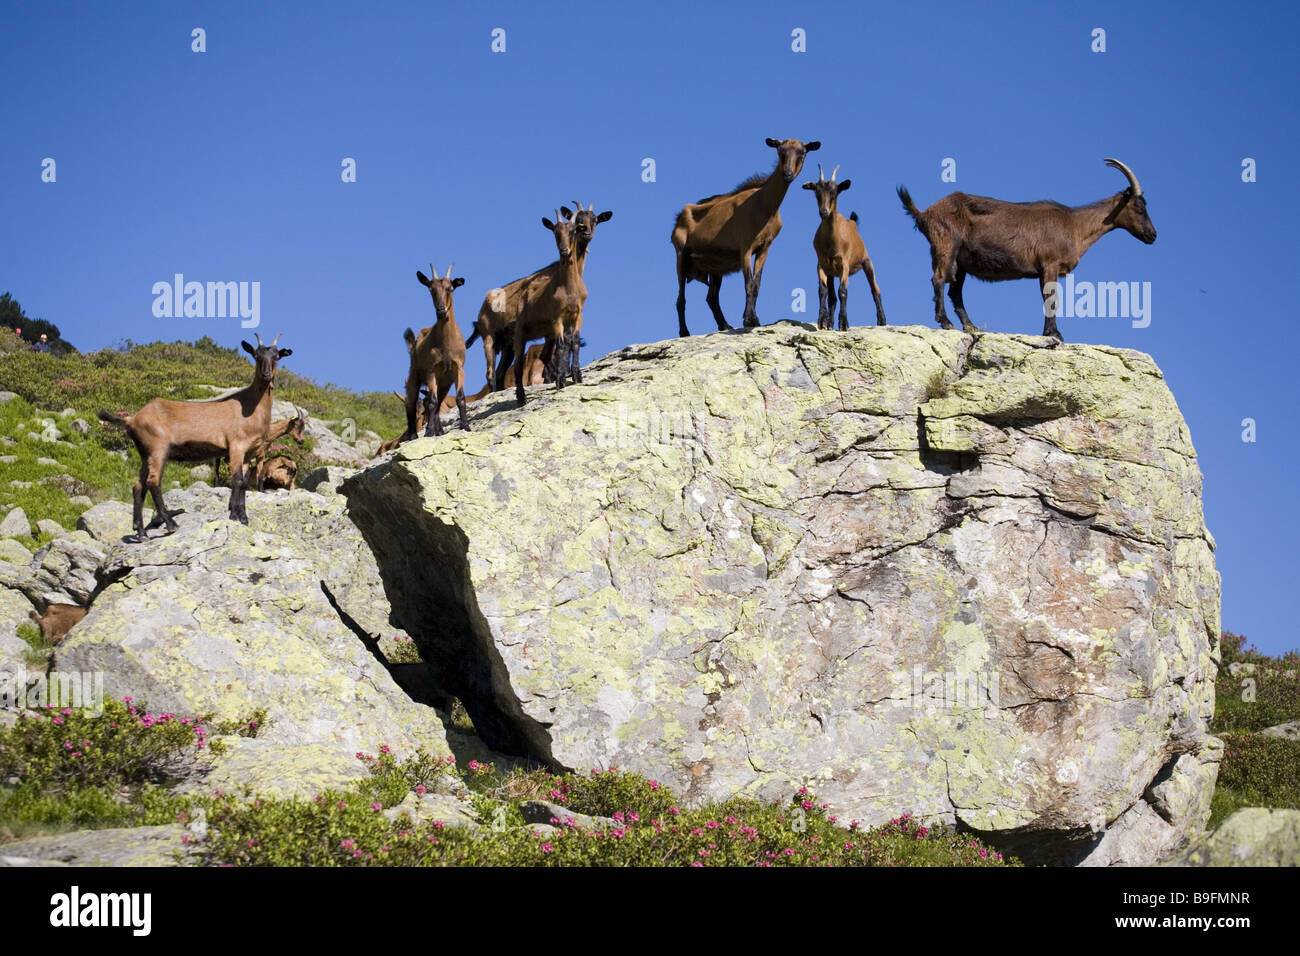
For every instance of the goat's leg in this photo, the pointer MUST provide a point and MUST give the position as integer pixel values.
(520, 343)
(753, 279)
(444, 387)
(433, 411)
(1047, 285)
(460, 399)
(681, 293)
(239, 480)
(954, 293)
(844, 300)
(412, 399)
(137, 503)
(750, 317)
(715, 306)
(555, 341)
(153, 481)
(505, 359)
(575, 364)
(490, 355)
(869, 271)
(823, 321)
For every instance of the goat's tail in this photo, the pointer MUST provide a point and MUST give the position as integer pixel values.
(910, 208)
(409, 336)
(108, 418)
(473, 337)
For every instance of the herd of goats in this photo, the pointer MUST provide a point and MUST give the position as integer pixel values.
(730, 232)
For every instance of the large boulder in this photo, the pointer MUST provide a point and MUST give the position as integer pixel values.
(281, 615)
(963, 577)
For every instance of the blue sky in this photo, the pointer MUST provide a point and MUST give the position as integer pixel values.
(225, 166)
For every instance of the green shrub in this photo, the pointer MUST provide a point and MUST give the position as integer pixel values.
(1257, 771)
(1266, 695)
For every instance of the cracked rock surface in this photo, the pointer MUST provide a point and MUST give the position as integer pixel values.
(224, 619)
(967, 578)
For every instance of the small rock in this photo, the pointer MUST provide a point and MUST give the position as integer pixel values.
(6, 440)
(20, 484)
(81, 501)
(1251, 837)
(47, 526)
(13, 552)
(49, 462)
(201, 472)
(1289, 731)
(66, 412)
(80, 425)
(107, 522)
(66, 484)
(8, 459)
(7, 396)
(15, 524)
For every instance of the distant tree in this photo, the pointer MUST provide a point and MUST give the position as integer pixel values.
(13, 317)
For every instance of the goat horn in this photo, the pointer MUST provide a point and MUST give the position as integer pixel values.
(259, 339)
(821, 175)
(449, 265)
(834, 171)
(1128, 173)
(276, 339)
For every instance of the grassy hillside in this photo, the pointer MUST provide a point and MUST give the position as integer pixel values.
(101, 463)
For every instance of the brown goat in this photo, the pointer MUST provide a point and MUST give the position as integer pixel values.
(197, 431)
(437, 358)
(277, 472)
(995, 240)
(534, 374)
(57, 620)
(552, 309)
(840, 253)
(500, 308)
(293, 427)
(733, 232)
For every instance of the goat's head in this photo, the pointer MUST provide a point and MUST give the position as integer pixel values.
(298, 427)
(1131, 213)
(266, 357)
(828, 191)
(585, 221)
(440, 287)
(564, 231)
(790, 154)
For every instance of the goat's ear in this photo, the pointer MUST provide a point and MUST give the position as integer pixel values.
(844, 185)
(566, 212)
(284, 352)
(249, 349)
(424, 279)
(605, 216)
(548, 224)
(457, 282)
(809, 185)
(813, 146)
(772, 142)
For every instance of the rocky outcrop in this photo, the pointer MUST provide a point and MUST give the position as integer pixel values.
(963, 577)
(281, 616)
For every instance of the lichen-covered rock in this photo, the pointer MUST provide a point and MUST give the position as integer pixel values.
(15, 524)
(1251, 837)
(225, 619)
(124, 846)
(13, 552)
(326, 479)
(963, 577)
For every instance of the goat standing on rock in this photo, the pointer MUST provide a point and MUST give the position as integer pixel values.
(197, 431)
(840, 253)
(733, 232)
(995, 240)
(552, 309)
(437, 358)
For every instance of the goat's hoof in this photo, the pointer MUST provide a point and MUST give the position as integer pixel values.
(881, 321)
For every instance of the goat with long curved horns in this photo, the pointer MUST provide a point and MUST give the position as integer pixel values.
(995, 240)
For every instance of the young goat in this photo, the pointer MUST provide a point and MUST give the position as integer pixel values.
(840, 253)
(552, 309)
(437, 358)
(500, 307)
(197, 431)
(733, 232)
(995, 240)
(57, 620)
(277, 472)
